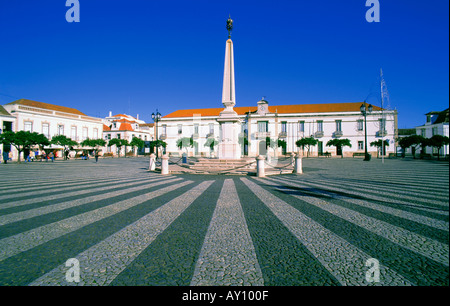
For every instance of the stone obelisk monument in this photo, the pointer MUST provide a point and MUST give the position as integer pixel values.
(230, 125)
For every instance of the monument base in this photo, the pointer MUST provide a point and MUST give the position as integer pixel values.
(229, 147)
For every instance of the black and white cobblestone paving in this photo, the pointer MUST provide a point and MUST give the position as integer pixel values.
(127, 226)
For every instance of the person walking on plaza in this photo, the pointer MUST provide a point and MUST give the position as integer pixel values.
(5, 157)
(50, 155)
(96, 155)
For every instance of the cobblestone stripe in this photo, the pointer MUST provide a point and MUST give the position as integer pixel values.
(425, 246)
(372, 193)
(59, 195)
(439, 224)
(345, 261)
(228, 256)
(16, 244)
(31, 213)
(436, 198)
(100, 264)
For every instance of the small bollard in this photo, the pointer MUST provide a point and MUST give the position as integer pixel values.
(165, 165)
(151, 166)
(260, 166)
(298, 164)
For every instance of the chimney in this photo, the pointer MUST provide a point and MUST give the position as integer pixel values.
(137, 116)
(110, 113)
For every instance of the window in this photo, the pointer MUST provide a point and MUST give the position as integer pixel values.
(263, 126)
(360, 125)
(164, 129)
(180, 129)
(319, 126)
(28, 126)
(423, 132)
(95, 136)
(85, 133)
(46, 130)
(338, 125)
(382, 124)
(283, 127)
(60, 129)
(73, 133)
(301, 126)
(360, 145)
(196, 128)
(211, 128)
(434, 131)
(118, 136)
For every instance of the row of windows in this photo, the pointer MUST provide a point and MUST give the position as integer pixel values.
(263, 126)
(28, 126)
(108, 136)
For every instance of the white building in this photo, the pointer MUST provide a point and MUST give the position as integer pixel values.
(51, 120)
(436, 124)
(124, 126)
(285, 122)
(7, 122)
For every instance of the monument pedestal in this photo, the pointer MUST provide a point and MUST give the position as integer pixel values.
(229, 147)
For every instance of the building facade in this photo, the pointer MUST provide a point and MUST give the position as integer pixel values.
(51, 120)
(283, 122)
(436, 124)
(124, 126)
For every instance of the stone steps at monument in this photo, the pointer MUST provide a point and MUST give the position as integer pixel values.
(222, 164)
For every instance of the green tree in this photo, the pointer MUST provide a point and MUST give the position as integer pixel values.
(211, 143)
(23, 140)
(116, 142)
(306, 142)
(63, 141)
(438, 141)
(186, 142)
(94, 143)
(339, 143)
(379, 144)
(137, 142)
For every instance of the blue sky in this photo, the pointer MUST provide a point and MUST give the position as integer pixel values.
(136, 56)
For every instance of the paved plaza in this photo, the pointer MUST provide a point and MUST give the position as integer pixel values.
(342, 222)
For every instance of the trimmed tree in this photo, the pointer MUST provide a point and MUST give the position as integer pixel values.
(23, 140)
(306, 142)
(65, 142)
(379, 144)
(438, 141)
(339, 143)
(137, 142)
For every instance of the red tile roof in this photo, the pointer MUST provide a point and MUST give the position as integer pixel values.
(48, 106)
(106, 128)
(280, 109)
(125, 127)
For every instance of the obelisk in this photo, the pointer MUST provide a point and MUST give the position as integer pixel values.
(229, 147)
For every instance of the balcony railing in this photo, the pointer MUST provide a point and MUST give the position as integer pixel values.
(382, 133)
(262, 134)
(338, 134)
(282, 135)
(163, 136)
(318, 134)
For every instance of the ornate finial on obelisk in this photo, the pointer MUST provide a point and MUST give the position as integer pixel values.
(229, 26)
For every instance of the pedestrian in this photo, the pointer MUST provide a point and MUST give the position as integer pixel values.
(50, 155)
(5, 157)
(96, 155)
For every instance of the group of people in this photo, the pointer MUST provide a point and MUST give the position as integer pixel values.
(7, 156)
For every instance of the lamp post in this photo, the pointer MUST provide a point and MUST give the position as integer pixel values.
(156, 117)
(364, 111)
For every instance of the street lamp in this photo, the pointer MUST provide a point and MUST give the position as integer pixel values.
(364, 111)
(156, 117)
